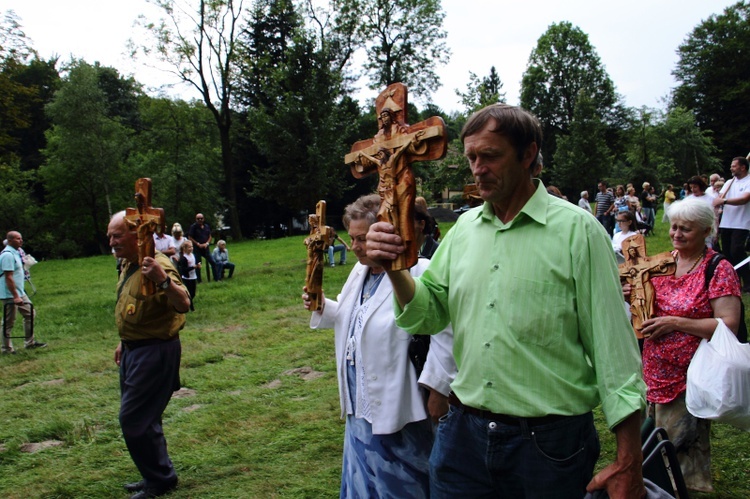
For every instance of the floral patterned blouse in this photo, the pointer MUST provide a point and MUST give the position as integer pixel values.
(666, 360)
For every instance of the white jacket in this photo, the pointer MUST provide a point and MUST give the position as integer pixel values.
(392, 387)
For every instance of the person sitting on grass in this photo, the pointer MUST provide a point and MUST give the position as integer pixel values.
(333, 248)
(221, 261)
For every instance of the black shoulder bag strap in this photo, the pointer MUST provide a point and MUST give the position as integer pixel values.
(710, 269)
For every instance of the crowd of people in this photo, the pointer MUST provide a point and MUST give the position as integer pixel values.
(708, 227)
(187, 253)
(729, 200)
(522, 320)
(475, 372)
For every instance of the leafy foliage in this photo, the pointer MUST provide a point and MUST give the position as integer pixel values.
(86, 148)
(714, 77)
(178, 148)
(404, 41)
(200, 46)
(669, 148)
(482, 93)
(582, 156)
(562, 67)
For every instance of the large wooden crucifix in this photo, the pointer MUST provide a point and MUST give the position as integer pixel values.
(391, 152)
(317, 245)
(637, 270)
(144, 219)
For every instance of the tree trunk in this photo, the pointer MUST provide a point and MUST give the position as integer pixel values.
(231, 193)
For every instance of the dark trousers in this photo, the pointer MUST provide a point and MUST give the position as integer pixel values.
(192, 287)
(148, 376)
(477, 457)
(205, 253)
(733, 246)
(607, 222)
(220, 267)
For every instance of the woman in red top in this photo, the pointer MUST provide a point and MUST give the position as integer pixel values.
(685, 311)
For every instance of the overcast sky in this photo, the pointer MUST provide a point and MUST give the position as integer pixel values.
(636, 40)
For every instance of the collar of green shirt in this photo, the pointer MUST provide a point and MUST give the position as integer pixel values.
(535, 208)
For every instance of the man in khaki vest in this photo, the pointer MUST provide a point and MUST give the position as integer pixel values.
(148, 355)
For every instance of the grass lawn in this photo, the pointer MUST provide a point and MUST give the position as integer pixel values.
(258, 416)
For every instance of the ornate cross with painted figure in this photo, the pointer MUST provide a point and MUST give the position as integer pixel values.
(144, 219)
(637, 270)
(391, 152)
(317, 246)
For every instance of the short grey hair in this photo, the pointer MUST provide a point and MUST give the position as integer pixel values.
(584, 193)
(364, 208)
(693, 210)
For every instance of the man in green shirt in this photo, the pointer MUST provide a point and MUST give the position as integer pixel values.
(531, 287)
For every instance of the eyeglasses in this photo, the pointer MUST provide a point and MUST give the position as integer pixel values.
(622, 220)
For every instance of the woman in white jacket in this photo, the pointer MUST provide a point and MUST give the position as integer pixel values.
(388, 436)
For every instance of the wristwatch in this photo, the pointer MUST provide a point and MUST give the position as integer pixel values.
(164, 285)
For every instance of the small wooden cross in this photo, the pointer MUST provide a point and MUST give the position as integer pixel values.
(317, 245)
(391, 152)
(637, 270)
(144, 219)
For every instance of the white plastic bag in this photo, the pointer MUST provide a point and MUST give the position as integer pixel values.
(718, 379)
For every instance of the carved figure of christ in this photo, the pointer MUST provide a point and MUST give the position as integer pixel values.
(391, 152)
(317, 246)
(637, 270)
(144, 219)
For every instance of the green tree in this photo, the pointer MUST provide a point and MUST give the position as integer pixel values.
(85, 150)
(582, 157)
(689, 150)
(200, 45)
(300, 136)
(482, 92)
(404, 42)
(13, 41)
(41, 80)
(15, 192)
(178, 148)
(563, 66)
(714, 77)
(644, 148)
(668, 147)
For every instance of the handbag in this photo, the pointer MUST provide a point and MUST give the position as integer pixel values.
(718, 379)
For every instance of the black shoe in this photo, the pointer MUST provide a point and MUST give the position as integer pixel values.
(9, 352)
(154, 491)
(135, 486)
(36, 344)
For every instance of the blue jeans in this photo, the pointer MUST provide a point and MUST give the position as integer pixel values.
(220, 267)
(649, 215)
(606, 221)
(733, 243)
(332, 249)
(477, 457)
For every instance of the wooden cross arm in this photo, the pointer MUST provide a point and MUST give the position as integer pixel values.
(396, 142)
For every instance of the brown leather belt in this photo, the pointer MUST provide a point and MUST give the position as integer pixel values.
(504, 418)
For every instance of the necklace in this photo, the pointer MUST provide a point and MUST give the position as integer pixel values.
(700, 259)
(371, 285)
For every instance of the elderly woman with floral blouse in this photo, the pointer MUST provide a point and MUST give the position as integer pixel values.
(686, 308)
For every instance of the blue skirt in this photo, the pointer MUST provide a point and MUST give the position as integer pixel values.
(385, 466)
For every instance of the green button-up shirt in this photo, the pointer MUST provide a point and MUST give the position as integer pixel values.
(537, 311)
